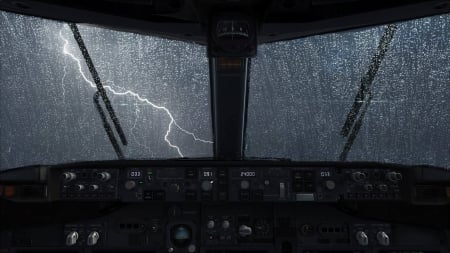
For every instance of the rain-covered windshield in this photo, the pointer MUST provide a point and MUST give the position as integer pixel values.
(158, 88)
(375, 94)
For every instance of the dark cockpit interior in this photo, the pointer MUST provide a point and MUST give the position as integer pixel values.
(225, 126)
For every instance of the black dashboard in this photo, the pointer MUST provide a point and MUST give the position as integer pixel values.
(225, 207)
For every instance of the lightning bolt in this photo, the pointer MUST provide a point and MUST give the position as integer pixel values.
(138, 97)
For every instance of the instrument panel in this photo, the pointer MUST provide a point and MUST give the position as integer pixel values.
(287, 184)
(213, 207)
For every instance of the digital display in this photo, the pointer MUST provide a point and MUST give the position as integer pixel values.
(248, 174)
(243, 173)
(135, 173)
(207, 173)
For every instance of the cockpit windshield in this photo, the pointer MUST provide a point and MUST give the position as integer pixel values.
(376, 94)
(74, 92)
(49, 113)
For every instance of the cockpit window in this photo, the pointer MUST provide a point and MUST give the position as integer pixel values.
(158, 88)
(377, 94)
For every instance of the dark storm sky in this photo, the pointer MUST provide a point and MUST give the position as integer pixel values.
(47, 114)
(300, 94)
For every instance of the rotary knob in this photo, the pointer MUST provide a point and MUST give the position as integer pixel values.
(330, 184)
(368, 187)
(245, 231)
(69, 176)
(394, 176)
(104, 176)
(130, 184)
(359, 176)
(225, 224)
(245, 185)
(79, 187)
(210, 224)
(207, 185)
(93, 187)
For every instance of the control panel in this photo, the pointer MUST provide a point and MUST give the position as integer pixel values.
(84, 184)
(229, 207)
(224, 228)
(266, 184)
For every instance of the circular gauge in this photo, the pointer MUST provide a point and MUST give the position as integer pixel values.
(181, 236)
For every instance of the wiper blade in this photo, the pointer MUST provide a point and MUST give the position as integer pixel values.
(364, 95)
(107, 127)
(102, 93)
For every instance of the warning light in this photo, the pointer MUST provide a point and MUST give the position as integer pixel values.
(9, 191)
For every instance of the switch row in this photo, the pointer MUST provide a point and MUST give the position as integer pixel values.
(363, 240)
(92, 239)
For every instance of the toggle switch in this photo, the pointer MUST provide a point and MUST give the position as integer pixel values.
(72, 238)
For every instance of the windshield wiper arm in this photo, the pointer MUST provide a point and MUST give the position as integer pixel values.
(101, 92)
(364, 95)
(107, 127)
